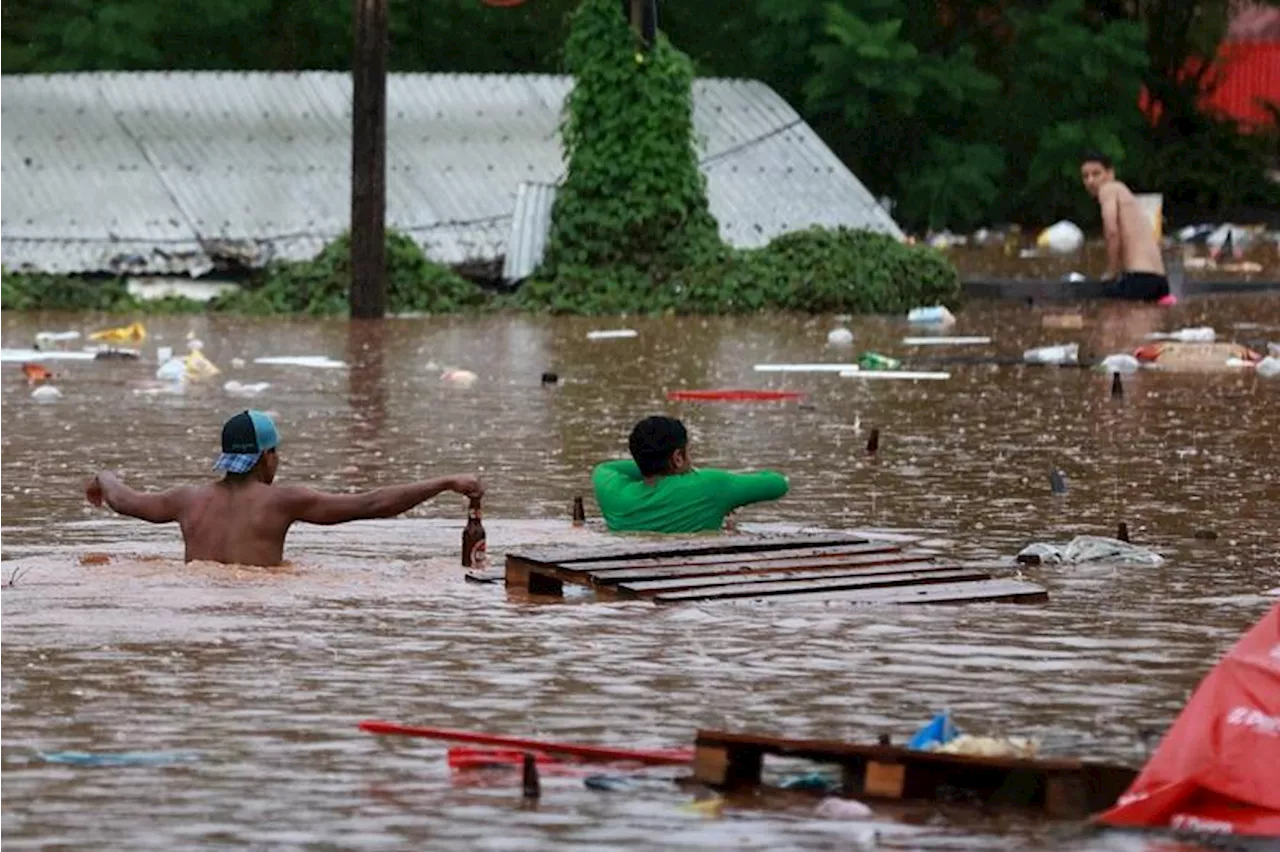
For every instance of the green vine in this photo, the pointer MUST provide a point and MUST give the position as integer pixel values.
(631, 230)
(634, 197)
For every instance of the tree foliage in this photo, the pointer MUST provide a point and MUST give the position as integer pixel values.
(963, 111)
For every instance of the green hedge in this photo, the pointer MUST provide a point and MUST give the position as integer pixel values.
(317, 287)
(814, 271)
(320, 287)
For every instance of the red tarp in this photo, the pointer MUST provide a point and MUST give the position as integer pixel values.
(1218, 768)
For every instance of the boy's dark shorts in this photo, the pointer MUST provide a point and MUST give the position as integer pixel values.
(1137, 286)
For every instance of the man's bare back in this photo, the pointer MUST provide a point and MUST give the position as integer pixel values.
(1124, 218)
(1135, 269)
(244, 519)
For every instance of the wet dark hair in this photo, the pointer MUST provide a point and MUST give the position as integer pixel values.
(653, 440)
(1096, 157)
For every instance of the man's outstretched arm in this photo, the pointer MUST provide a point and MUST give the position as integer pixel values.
(321, 507)
(158, 508)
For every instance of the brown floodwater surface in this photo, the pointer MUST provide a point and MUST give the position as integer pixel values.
(264, 673)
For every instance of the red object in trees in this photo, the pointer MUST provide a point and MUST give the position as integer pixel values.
(1247, 75)
(1218, 768)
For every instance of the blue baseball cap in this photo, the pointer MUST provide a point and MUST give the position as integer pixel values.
(245, 438)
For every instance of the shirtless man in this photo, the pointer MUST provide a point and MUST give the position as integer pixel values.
(243, 519)
(1135, 269)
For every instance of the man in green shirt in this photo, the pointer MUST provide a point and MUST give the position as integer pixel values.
(661, 490)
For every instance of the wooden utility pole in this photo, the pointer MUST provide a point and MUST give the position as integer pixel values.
(643, 16)
(369, 162)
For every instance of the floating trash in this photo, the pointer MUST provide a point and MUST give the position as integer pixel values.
(133, 333)
(815, 781)
(834, 807)
(46, 393)
(172, 370)
(839, 337)
(235, 388)
(45, 338)
(318, 361)
(1120, 363)
(1019, 747)
(118, 758)
(931, 315)
(459, 378)
(876, 361)
(939, 730)
(1061, 237)
(1269, 367)
(613, 334)
(804, 368)
(1067, 353)
(945, 341)
(36, 373)
(23, 355)
(1092, 549)
(1198, 334)
(905, 375)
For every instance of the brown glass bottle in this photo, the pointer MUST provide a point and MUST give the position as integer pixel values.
(474, 553)
(579, 512)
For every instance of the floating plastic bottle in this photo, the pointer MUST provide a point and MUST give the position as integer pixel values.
(1198, 334)
(931, 315)
(876, 361)
(839, 337)
(1061, 237)
(46, 393)
(1119, 363)
(1066, 353)
(1269, 367)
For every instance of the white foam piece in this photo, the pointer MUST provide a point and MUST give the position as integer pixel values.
(805, 368)
(321, 361)
(910, 375)
(945, 341)
(38, 355)
(612, 334)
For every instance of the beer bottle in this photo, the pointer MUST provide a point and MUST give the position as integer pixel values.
(474, 554)
(579, 512)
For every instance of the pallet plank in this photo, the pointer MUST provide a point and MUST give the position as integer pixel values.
(791, 554)
(1000, 591)
(684, 546)
(1060, 787)
(622, 575)
(788, 587)
(647, 587)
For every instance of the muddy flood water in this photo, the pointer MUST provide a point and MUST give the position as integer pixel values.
(258, 678)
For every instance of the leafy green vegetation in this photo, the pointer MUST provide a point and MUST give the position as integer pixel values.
(35, 292)
(966, 113)
(320, 287)
(316, 287)
(815, 271)
(631, 229)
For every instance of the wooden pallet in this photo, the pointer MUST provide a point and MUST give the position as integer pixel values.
(1059, 787)
(832, 567)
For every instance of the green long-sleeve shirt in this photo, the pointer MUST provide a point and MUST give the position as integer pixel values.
(689, 502)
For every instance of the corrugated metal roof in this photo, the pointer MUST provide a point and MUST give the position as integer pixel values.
(164, 172)
(530, 227)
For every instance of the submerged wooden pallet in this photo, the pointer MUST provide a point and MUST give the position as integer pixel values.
(1059, 787)
(833, 566)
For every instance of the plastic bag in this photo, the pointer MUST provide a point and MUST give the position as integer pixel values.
(1092, 549)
